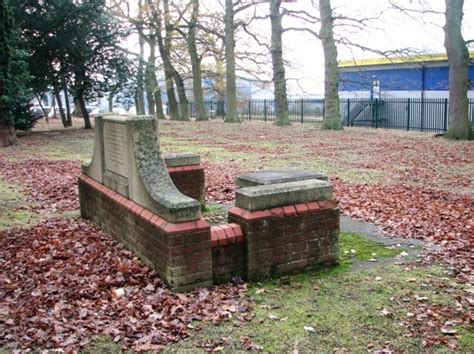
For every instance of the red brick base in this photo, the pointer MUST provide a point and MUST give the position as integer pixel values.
(228, 253)
(189, 180)
(289, 238)
(255, 245)
(180, 253)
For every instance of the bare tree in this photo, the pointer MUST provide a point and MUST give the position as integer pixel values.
(279, 81)
(332, 116)
(458, 60)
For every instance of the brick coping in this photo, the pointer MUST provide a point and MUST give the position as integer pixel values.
(188, 168)
(284, 211)
(221, 235)
(145, 214)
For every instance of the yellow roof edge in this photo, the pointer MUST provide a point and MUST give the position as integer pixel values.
(397, 60)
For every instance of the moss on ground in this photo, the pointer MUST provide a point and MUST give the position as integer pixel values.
(14, 208)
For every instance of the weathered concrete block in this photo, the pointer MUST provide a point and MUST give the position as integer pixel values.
(260, 178)
(282, 194)
(181, 159)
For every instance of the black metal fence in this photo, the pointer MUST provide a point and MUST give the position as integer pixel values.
(415, 114)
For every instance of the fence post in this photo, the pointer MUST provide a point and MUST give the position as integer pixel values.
(324, 108)
(376, 112)
(302, 114)
(348, 111)
(408, 115)
(422, 122)
(445, 114)
(265, 110)
(250, 103)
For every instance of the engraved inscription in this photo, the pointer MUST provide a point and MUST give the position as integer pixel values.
(115, 148)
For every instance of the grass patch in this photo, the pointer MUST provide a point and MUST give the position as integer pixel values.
(357, 246)
(215, 214)
(14, 208)
(341, 311)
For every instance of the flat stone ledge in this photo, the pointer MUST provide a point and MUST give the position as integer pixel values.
(181, 159)
(280, 194)
(260, 178)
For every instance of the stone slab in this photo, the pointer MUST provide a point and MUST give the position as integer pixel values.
(277, 176)
(127, 159)
(181, 159)
(280, 194)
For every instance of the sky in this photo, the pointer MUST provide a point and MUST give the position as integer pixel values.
(303, 52)
(393, 30)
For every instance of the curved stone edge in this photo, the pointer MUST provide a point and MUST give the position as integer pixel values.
(163, 196)
(95, 167)
(280, 194)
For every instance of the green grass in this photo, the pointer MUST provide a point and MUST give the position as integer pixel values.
(345, 311)
(14, 208)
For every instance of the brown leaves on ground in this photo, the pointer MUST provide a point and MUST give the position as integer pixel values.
(425, 214)
(50, 185)
(56, 292)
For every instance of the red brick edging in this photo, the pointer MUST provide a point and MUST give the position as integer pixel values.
(145, 214)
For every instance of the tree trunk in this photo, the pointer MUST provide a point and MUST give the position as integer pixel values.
(53, 106)
(66, 102)
(110, 100)
(149, 85)
(231, 91)
(201, 113)
(60, 105)
(183, 101)
(7, 135)
(279, 81)
(153, 88)
(332, 116)
(85, 114)
(458, 61)
(77, 107)
(141, 65)
(39, 99)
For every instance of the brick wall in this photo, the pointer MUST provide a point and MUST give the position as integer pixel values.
(289, 238)
(189, 180)
(180, 253)
(228, 253)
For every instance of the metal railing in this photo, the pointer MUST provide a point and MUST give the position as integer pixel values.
(412, 114)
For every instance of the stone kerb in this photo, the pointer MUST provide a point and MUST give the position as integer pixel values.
(276, 176)
(287, 226)
(127, 159)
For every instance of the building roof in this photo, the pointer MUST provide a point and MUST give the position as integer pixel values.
(428, 58)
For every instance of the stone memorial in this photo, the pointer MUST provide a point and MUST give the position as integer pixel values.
(283, 221)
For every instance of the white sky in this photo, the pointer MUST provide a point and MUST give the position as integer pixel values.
(393, 30)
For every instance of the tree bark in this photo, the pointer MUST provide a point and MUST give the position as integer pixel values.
(149, 87)
(85, 114)
(39, 99)
(66, 102)
(7, 135)
(231, 90)
(458, 61)
(60, 105)
(332, 116)
(141, 65)
(164, 47)
(153, 88)
(279, 81)
(201, 113)
(183, 100)
(110, 101)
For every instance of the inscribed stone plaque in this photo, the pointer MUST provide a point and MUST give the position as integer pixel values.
(115, 148)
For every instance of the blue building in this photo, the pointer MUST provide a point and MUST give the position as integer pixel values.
(424, 76)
